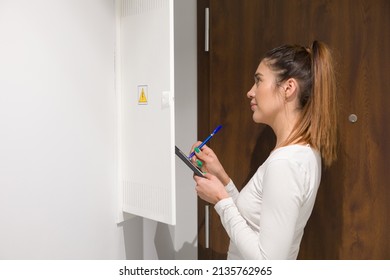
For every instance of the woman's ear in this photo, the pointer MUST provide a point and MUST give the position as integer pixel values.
(290, 89)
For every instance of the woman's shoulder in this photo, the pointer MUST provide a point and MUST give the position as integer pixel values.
(297, 153)
(300, 161)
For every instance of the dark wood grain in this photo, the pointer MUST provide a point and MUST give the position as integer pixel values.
(351, 216)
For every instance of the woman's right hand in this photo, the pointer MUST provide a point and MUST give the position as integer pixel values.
(211, 163)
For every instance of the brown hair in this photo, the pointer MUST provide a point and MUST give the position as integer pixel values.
(313, 69)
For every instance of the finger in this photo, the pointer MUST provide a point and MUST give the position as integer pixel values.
(197, 144)
(198, 163)
(197, 179)
(208, 176)
(206, 149)
(200, 154)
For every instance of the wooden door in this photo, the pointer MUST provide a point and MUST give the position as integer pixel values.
(350, 218)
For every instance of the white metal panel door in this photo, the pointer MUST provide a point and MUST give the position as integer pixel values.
(147, 162)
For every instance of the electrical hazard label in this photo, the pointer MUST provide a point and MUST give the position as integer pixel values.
(143, 95)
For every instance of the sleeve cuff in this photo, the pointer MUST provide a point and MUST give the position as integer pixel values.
(230, 186)
(222, 204)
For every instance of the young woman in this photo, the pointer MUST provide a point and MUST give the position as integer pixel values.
(293, 93)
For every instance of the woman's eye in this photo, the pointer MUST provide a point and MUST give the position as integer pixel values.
(257, 78)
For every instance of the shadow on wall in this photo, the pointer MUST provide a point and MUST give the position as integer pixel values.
(165, 247)
(134, 237)
(265, 143)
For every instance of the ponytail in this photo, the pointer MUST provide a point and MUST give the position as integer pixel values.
(323, 106)
(313, 69)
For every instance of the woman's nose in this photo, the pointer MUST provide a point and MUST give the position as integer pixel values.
(251, 92)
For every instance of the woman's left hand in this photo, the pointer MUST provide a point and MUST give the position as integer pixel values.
(210, 188)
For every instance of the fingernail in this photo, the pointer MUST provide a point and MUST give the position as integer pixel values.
(200, 164)
(197, 150)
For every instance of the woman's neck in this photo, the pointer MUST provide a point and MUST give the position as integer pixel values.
(283, 131)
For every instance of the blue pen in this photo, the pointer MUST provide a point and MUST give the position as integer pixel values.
(206, 140)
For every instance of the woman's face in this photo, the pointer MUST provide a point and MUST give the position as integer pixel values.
(266, 97)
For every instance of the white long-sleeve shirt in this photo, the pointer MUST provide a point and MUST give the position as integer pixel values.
(267, 218)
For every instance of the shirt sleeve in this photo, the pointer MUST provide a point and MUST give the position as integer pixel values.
(232, 190)
(281, 203)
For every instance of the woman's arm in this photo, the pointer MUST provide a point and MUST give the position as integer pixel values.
(281, 203)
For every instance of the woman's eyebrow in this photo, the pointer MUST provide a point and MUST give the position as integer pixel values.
(258, 75)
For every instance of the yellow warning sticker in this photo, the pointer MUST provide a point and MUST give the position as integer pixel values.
(143, 95)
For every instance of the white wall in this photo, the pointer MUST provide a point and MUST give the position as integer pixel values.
(58, 197)
(186, 126)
